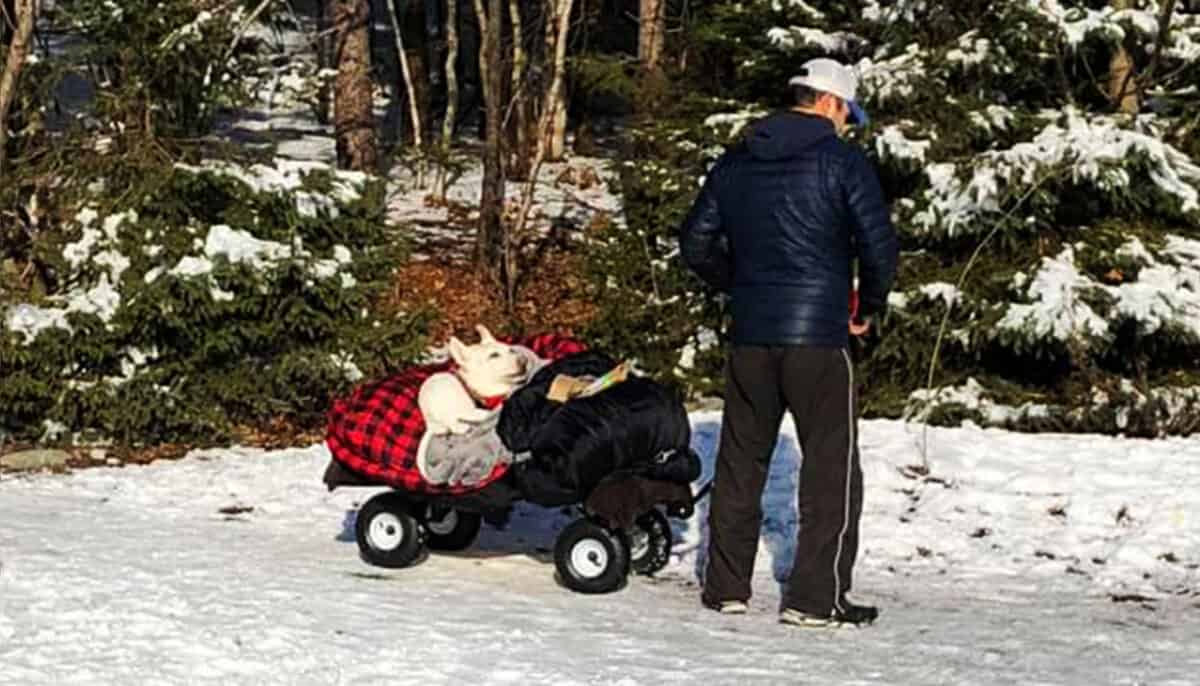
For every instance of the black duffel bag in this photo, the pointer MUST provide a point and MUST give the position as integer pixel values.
(637, 426)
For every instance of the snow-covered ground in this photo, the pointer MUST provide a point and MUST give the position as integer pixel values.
(1002, 569)
(568, 196)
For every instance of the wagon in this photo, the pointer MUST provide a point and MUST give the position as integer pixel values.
(623, 457)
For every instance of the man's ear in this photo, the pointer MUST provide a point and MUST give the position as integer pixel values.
(458, 351)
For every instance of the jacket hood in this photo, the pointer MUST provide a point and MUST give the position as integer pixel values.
(787, 134)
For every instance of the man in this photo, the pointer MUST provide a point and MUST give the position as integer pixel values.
(779, 223)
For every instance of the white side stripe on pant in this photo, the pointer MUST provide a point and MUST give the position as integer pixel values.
(837, 558)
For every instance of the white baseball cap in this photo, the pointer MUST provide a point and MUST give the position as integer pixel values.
(831, 76)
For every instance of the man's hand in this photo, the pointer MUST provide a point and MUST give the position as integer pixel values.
(859, 327)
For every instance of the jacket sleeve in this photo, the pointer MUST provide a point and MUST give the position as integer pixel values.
(876, 244)
(702, 240)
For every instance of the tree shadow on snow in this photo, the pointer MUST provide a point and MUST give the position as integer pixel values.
(530, 532)
(347, 534)
(781, 519)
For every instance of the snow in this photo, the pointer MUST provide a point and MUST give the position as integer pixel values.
(793, 37)
(97, 246)
(705, 339)
(241, 247)
(84, 250)
(287, 176)
(993, 118)
(940, 290)
(892, 12)
(999, 570)
(734, 120)
(1058, 310)
(570, 195)
(133, 360)
(898, 300)
(1135, 250)
(1078, 23)
(187, 266)
(31, 320)
(1175, 401)
(101, 299)
(970, 50)
(891, 142)
(1088, 148)
(78, 252)
(1177, 398)
(345, 363)
(812, 12)
(895, 77)
(972, 396)
(53, 430)
(1165, 294)
(190, 32)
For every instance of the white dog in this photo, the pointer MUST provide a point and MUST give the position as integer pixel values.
(488, 370)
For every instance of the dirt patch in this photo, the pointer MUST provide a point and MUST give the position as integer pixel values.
(554, 297)
(281, 432)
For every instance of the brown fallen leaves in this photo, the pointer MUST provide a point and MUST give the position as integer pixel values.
(553, 297)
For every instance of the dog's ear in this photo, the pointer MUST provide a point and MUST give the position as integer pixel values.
(458, 351)
(485, 336)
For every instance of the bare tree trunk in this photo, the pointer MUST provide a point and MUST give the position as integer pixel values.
(1160, 42)
(451, 71)
(441, 174)
(549, 27)
(491, 239)
(421, 87)
(557, 148)
(551, 122)
(354, 119)
(522, 134)
(652, 30)
(18, 50)
(414, 113)
(1122, 86)
(413, 110)
(325, 42)
(1122, 91)
(553, 129)
(481, 19)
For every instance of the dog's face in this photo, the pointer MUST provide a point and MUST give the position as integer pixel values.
(490, 368)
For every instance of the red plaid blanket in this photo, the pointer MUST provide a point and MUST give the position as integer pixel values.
(375, 430)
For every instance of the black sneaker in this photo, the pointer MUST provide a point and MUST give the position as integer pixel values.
(849, 615)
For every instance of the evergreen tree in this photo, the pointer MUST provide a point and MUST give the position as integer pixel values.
(151, 293)
(1051, 260)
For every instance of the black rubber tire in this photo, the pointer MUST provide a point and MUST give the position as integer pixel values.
(591, 558)
(388, 534)
(650, 542)
(451, 536)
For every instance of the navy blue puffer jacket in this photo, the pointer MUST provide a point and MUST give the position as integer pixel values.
(778, 223)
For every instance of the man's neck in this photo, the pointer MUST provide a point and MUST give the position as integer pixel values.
(813, 112)
(810, 111)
